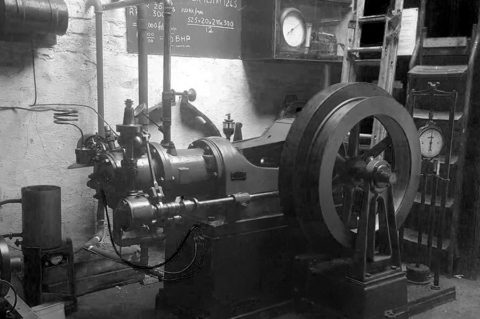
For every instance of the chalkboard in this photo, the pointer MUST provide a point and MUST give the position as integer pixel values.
(200, 28)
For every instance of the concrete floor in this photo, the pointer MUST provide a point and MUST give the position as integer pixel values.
(137, 302)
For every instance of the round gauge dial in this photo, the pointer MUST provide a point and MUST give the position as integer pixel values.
(293, 27)
(431, 141)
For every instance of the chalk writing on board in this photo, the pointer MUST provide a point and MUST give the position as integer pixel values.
(201, 28)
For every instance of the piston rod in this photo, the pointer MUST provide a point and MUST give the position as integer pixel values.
(186, 206)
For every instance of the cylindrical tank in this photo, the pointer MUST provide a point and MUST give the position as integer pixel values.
(33, 16)
(41, 217)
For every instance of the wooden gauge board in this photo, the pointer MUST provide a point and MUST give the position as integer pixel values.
(200, 28)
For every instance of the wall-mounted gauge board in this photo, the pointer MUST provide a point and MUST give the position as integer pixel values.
(294, 29)
(200, 28)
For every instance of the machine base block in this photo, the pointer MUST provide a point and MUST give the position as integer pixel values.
(422, 297)
(322, 288)
(246, 271)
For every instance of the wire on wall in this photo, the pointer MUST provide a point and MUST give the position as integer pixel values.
(34, 75)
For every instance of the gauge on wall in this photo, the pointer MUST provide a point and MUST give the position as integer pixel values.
(293, 27)
(431, 140)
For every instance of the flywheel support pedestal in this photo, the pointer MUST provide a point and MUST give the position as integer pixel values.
(347, 191)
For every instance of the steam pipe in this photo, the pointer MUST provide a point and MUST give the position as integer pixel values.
(167, 95)
(124, 4)
(99, 52)
(97, 5)
(142, 61)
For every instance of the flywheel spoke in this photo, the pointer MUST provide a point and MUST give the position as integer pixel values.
(348, 193)
(336, 179)
(353, 141)
(340, 159)
(378, 148)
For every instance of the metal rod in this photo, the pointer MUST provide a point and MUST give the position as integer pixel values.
(167, 95)
(446, 181)
(100, 89)
(124, 4)
(432, 213)
(187, 206)
(11, 201)
(142, 61)
(421, 212)
(233, 199)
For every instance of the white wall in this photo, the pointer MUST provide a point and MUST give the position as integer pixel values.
(33, 150)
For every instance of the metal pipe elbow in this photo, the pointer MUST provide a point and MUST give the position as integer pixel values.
(97, 4)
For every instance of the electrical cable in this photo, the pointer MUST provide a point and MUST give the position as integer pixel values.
(35, 104)
(4, 108)
(78, 105)
(66, 117)
(161, 272)
(34, 75)
(14, 293)
(190, 264)
(44, 107)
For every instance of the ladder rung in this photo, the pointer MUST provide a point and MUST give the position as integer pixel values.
(368, 62)
(373, 18)
(366, 49)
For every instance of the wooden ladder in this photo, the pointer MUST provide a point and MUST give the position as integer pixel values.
(352, 60)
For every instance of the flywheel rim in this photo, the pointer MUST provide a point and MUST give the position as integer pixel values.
(402, 130)
(304, 128)
(317, 223)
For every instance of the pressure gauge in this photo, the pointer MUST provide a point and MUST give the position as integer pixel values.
(293, 27)
(431, 140)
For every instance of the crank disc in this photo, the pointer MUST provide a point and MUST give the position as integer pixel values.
(313, 179)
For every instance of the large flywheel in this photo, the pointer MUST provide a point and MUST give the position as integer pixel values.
(328, 159)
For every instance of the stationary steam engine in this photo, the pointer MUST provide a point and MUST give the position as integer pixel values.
(310, 184)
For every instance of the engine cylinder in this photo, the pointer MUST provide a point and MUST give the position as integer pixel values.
(41, 216)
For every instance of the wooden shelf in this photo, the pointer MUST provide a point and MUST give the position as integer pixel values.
(411, 235)
(338, 2)
(423, 114)
(428, 199)
(453, 159)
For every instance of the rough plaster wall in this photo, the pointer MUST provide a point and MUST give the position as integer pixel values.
(33, 150)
